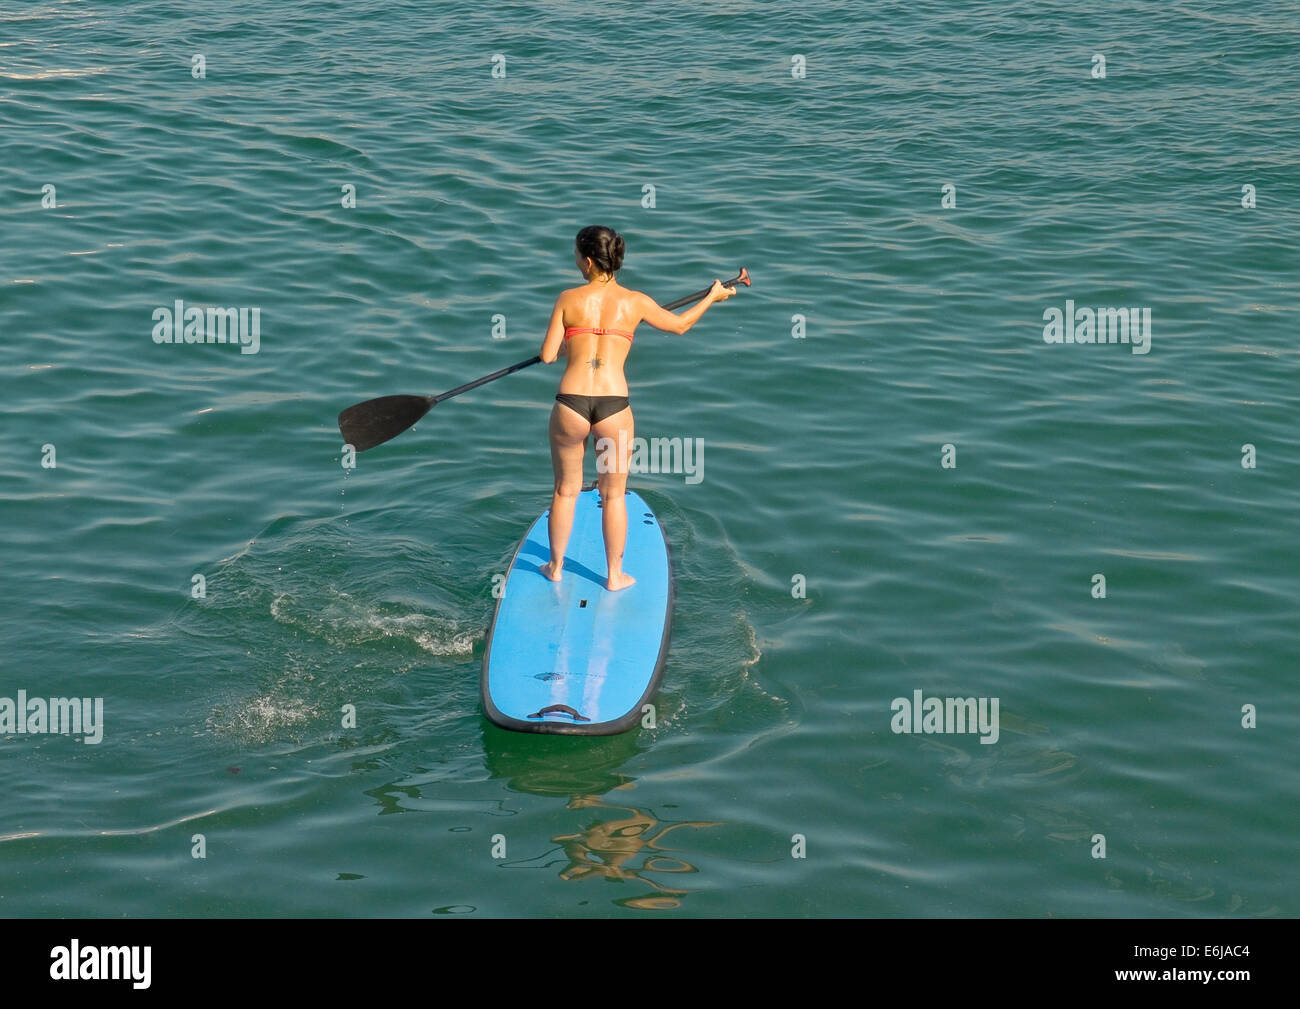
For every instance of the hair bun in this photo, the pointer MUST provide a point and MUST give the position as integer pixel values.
(604, 246)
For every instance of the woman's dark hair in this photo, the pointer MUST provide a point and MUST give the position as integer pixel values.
(603, 245)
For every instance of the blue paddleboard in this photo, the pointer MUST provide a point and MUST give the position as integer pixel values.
(572, 657)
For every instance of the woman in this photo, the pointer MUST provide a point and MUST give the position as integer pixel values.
(593, 324)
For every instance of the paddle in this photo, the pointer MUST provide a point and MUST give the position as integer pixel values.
(373, 422)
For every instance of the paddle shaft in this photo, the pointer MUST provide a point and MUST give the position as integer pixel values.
(485, 379)
(742, 277)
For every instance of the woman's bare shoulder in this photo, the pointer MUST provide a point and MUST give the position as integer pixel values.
(569, 295)
(632, 295)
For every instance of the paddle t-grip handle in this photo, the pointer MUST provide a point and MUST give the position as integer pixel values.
(741, 278)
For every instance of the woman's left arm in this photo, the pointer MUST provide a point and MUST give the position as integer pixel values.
(554, 341)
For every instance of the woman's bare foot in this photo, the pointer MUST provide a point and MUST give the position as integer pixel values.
(550, 571)
(619, 581)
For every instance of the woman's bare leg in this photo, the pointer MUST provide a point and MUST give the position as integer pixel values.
(568, 443)
(616, 431)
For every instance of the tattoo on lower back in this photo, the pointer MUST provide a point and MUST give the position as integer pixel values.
(596, 363)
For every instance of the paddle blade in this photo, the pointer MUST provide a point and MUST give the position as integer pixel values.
(376, 420)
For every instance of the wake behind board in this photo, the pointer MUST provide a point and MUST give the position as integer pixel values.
(572, 657)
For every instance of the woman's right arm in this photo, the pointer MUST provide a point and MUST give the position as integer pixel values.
(663, 319)
(553, 342)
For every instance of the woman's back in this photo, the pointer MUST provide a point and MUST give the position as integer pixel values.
(599, 321)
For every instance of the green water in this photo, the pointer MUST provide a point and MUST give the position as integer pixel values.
(827, 563)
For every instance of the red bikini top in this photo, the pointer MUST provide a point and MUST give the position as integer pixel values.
(572, 330)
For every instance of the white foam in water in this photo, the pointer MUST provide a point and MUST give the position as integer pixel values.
(458, 644)
(261, 718)
(343, 621)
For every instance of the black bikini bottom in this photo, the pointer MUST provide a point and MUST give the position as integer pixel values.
(593, 408)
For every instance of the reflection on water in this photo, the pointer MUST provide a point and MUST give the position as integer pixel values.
(627, 848)
(621, 848)
(559, 766)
